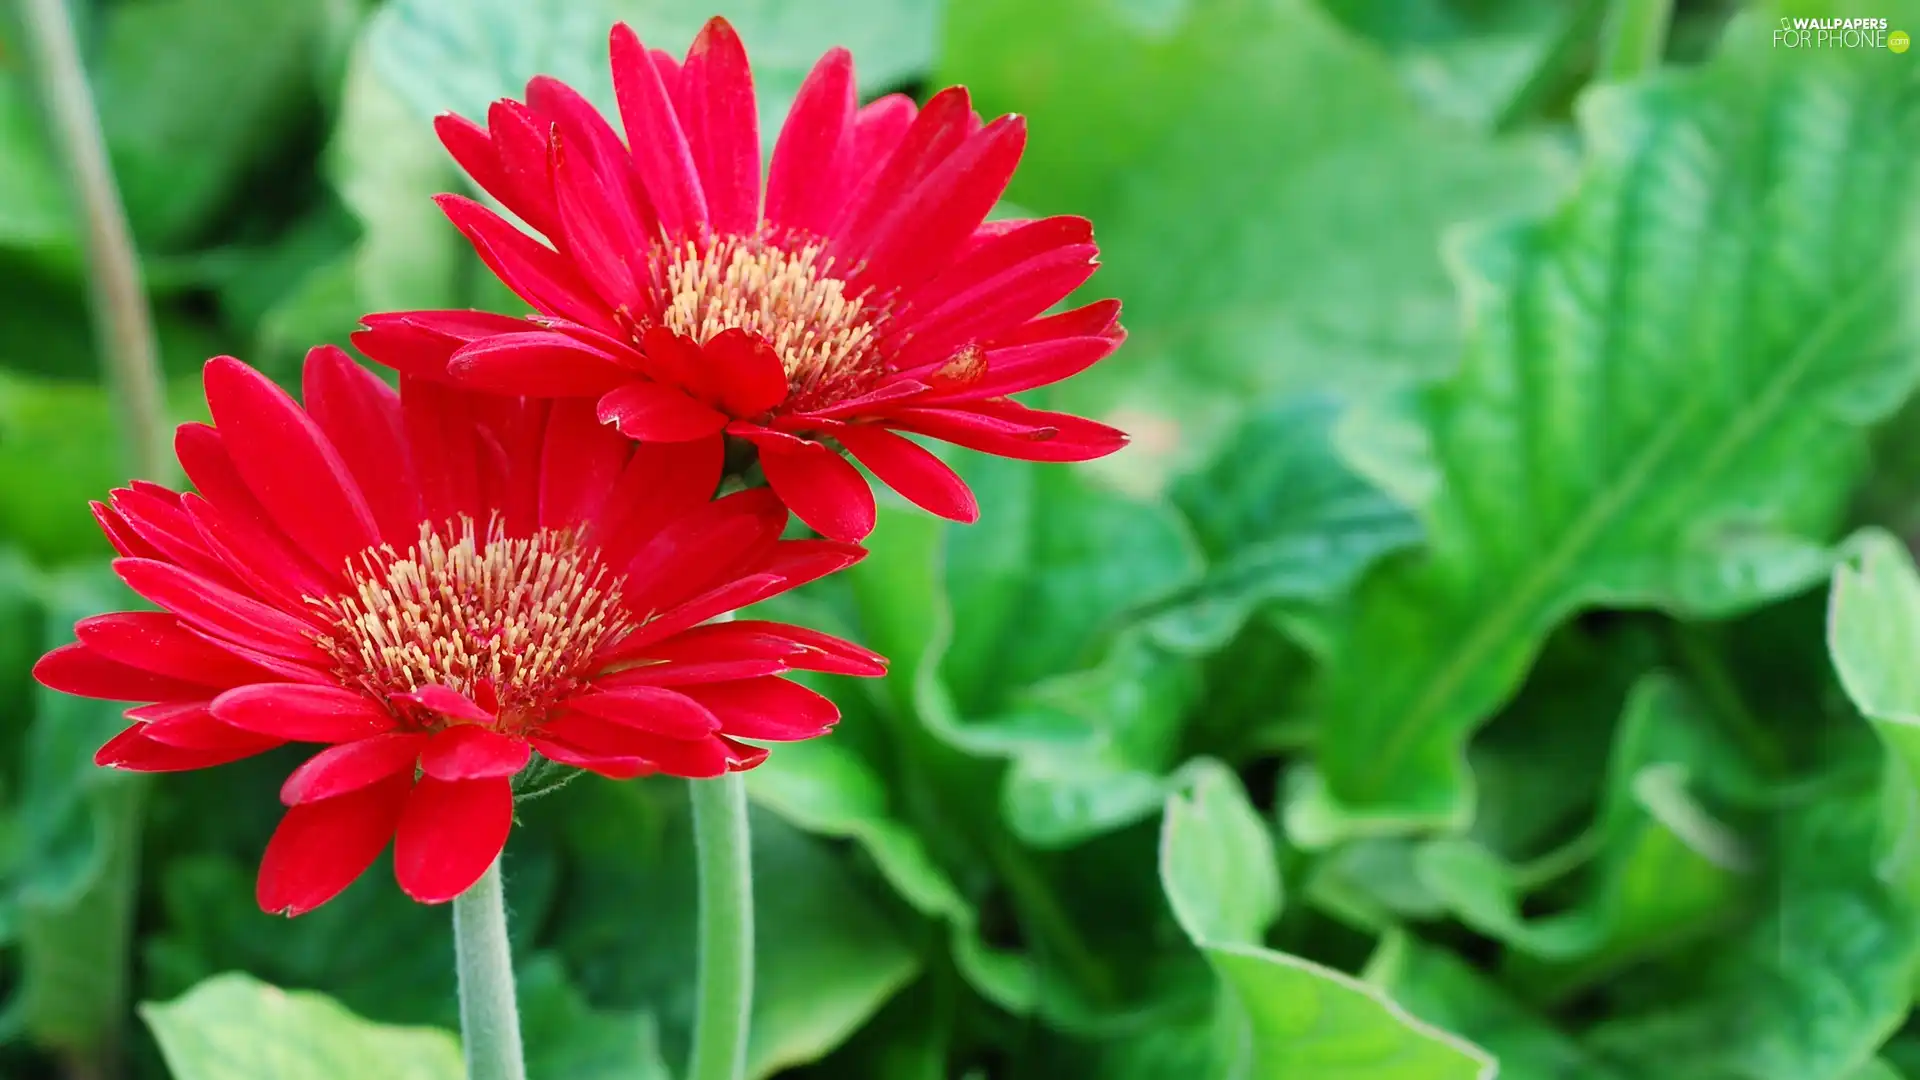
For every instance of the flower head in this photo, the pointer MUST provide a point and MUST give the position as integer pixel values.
(435, 585)
(860, 295)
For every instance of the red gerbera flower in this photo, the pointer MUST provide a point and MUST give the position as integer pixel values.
(860, 297)
(436, 584)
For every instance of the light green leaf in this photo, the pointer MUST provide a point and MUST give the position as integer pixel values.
(1307, 1022)
(456, 55)
(1218, 863)
(234, 1027)
(1873, 632)
(1269, 199)
(1280, 517)
(1441, 989)
(1660, 405)
(387, 165)
(1282, 1017)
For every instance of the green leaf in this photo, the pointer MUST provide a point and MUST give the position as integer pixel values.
(1282, 1017)
(1041, 590)
(1280, 517)
(1873, 632)
(61, 446)
(1217, 859)
(1092, 751)
(182, 142)
(1660, 405)
(1464, 59)
(1269, 199)
(1667, 870)
(451, 54)
(827, 956)
(1441, 989)
(75, 884)
(1810, 990)
(34, 209)
(234, 1027)
(566, 1039)
(386, 164)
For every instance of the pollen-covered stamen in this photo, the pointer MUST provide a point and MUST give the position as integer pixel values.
(788, 298)
(515, 620)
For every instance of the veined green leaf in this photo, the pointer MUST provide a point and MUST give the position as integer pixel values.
(1660, 405)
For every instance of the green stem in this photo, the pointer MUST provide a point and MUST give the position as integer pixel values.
(726, 928)
(1636, 38)
(1558, 68)
(489, 1017)
(122, 322)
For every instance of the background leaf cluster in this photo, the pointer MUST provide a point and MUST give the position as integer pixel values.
(1497, 650)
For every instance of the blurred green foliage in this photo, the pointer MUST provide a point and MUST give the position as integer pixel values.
(1446, 675)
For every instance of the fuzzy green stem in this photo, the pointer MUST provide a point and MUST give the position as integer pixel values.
(726, 928)
(122, 322)
(1636, 38)
(489, 1017)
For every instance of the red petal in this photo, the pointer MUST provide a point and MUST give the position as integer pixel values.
(537, 364)
(76, 669)
(580, 463)
(360, 415)
(651, 412)
(598, 228)
(723, 126)
(218, 610)
(237, 529)
(730, 596)
(190, 725)
(155, 641)
(162, 524)
(450, 832)
(912, 471)
(929, 224)
(767, 708)
(594, 739)
(805, 184)
(756, 638)
(819, 486)
(703, 548)
(321, 847)
(932, 136)
(135, 751)
(291, 468)
(651, 709)
(747, 373)
(447, 702)
(536, 273)
(661, 483)
(472, 149)
(611, 767)
(1023, 367)
(471, 752)
(419, 343)
(585, 131)
(120, 534)
(301, 712)
(354, 766)
(1011, 430)
(660, 150)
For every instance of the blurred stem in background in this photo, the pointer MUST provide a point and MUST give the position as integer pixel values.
(489, 1011)
(723, 850)
(122, 321)
(1635, 38)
